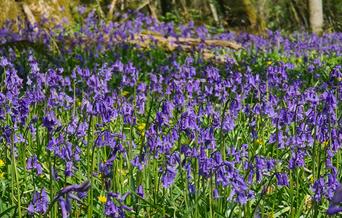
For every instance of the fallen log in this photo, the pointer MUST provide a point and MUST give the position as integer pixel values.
(189, 41)
(143, 40)
(148, 39)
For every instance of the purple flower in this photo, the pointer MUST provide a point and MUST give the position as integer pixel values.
(39, 203)
(337, 198)
(192, 189)
(216, 194)
(116, 210)
(112, 210)
(136, 162)
(140, 191)
(50, 121)
(282, 179)
(65, 202)
(4, 62)
(335, 201)
(318, 189)
(74, 188)
(64, 209)
(169, 176)
(69, 168)
(32, 163)
(334, 209)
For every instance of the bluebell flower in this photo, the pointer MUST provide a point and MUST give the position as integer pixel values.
(282, 179)
(63, 205)
(169, 176)
(32, 163)
(140, 191)
(216, 194)
(75, 188)
(39, 203)
(335, 202)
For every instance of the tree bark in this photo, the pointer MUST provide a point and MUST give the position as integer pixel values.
(166, 6)
(316, 15)
(261, 5)
(251, 13)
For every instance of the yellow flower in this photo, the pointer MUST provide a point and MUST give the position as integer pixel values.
(102, 199)
(122, 172)
(325, 144)
(125, 93)
(269, 190)
(307, 202)
(141, 126)
(312, 179)
(259, 141)
(100, 176)
(269, 62)
(2, 163)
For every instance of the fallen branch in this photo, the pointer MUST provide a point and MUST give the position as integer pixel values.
(152, 10)
(145, 40)
(29, 16)
(141, 6)
(181, 41)
(111, 10)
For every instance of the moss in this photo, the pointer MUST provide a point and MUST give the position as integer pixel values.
(57, 10)
(9, 10)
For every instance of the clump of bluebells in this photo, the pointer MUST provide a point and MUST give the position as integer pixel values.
(108, 130)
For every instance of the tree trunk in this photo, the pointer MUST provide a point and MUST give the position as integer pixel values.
(251, 14)
(166, 6)
(261, 17)
(316, 15)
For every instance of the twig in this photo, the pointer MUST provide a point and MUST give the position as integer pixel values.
(98, 4)
(29, 16)
(111, 10)
(152, 10)
(145, 3)
(214, 11)
(183, 5)
(172, 41)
